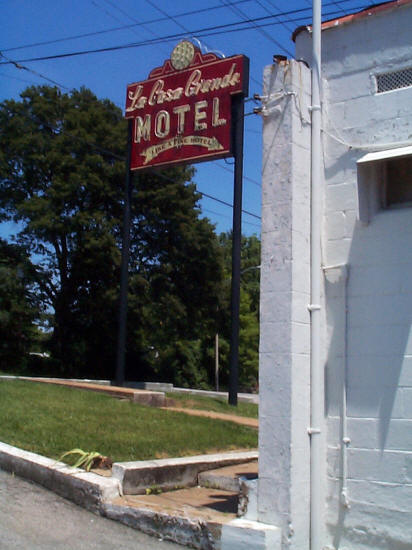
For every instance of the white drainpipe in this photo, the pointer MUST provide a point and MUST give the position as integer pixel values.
(317, 394)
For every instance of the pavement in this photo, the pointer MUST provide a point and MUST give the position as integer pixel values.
(204, 499)
(33, 518)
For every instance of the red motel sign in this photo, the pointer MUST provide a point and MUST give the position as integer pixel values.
(183, 111)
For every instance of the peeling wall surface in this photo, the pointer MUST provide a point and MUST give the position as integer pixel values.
(367, 291)
(368, 307)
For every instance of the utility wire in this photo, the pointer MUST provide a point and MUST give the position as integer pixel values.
(207, 31)
(119, 9)
(17, 78)
(22, 67)
(220, 215)
(121, 158)
(238, 11)
(214, 198)
(253, 24)
(158, 20)
(114, 29)
(246, 178)
(273, 5)
(309, 2)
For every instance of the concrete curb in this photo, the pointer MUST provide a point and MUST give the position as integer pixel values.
(29, 378)
(195, 533)
(148, 386)
(99, 494)
(241, 397)
(84, 488)
(167, 473)
(240, 534)
(143, 397)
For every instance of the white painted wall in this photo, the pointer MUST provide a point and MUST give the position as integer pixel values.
(374, 339)
(284, 386)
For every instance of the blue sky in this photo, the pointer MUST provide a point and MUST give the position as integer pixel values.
(49, 27)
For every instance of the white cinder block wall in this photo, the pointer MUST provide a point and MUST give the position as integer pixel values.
(284, 370)
(373, 339)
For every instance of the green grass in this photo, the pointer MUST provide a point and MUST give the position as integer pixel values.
(50, 420)
(212, 404)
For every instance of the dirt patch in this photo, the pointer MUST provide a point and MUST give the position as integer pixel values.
(245, 421)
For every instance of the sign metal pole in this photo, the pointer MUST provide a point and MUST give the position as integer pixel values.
(238, 131)
(124, 273)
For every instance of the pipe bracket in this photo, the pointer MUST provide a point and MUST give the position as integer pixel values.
(314, 307)
(314, 431)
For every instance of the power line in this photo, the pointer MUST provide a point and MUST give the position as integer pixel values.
(22, 67)
(114, 29)
(207, 31)
(212, 197)
(185, 29)
(272, 4)
(246, 178)
(119, 9)
(227, 204)
(121, 158)
(17, 78)
(220, 215)
(244, 16)
(334, 3)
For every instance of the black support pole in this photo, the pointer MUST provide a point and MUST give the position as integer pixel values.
(124, 273)
(238, 125)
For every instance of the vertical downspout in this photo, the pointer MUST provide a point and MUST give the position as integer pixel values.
(344, 497)
(317, 383)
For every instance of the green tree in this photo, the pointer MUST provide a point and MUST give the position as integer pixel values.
(249, 311)
(176, 255)
(64, 194)
(19, 307)
(62, 175)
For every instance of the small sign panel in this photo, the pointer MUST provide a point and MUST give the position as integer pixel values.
(182, 113)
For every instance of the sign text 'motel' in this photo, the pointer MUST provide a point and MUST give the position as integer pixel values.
(182, 113)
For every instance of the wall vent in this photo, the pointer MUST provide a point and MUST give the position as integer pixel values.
(394, 80)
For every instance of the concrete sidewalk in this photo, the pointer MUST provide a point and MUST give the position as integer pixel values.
(192, 515)
(192, 501)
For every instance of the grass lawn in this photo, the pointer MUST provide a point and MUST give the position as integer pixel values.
(212, 404)
(50, 420)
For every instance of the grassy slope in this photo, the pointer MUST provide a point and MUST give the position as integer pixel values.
(211, 404)
(50, 420)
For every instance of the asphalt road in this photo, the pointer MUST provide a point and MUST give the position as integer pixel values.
(33, 518)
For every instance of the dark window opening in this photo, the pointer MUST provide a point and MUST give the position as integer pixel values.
(397, 185)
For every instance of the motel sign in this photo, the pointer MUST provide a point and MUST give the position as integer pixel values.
(189, 110)
(183, 111)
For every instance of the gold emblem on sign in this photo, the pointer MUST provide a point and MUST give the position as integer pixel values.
(182, 55)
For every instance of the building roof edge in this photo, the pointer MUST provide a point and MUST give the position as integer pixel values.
(345, 19)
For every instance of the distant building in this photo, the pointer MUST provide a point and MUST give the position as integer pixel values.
(365, 501)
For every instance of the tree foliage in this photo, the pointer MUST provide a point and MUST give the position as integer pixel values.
(62, 173)
(19, 307)
(249, 311)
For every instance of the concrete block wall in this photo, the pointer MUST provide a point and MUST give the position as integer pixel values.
(369, 348)
(284, 385)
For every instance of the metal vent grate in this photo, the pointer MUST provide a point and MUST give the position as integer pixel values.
(394, 80)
